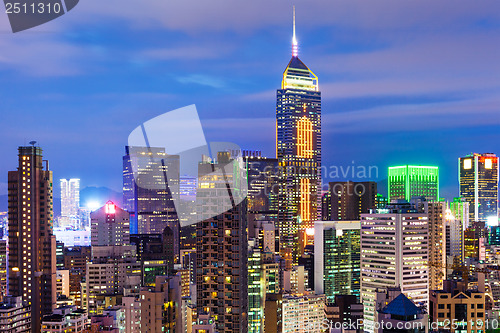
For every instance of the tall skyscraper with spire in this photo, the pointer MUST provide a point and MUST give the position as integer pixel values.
(298, 149)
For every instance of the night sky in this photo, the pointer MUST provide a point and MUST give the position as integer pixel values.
(403, 82)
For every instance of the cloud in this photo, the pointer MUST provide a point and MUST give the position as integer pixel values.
(203, 80)
(416, 117)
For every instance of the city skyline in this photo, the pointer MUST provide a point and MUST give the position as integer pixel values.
(415, 112)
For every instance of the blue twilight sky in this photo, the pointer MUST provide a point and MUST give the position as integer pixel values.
(402, 81)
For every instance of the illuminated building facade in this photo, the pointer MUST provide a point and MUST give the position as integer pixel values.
(478, 177)
(346, 201)
(221, 244)
(298, 149)
(408, 181)
(394, 253)
(70, 200)
(32, 247)
(337, 259)
(149, 196)
(459, 208)
(475, 241)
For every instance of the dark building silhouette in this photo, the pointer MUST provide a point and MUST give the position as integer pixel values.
(345, 201)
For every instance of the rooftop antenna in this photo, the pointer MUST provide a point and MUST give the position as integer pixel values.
(295, 46)
(33, 143)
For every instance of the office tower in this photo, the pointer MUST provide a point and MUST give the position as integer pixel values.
(475, 241)
(466, 308)
(347, 200)
(155, 254)
(221, 247)
(454, 238)
(150, 188)
(394, 253)
(298, 149)
(478, 177)
(256, 288)
(70, 201)
(408, 181)
(263, 176)
(337, 259)
(161, 306)
(59, 255)
(110, 226)
(494, 237)
(459, 208)
(436, 212)
(381, 201)
(16, 316)
(32, 247)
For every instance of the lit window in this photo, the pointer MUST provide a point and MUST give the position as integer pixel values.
(467, 164)
(488, 163)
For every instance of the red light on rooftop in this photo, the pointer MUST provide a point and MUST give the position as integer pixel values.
(110, 208)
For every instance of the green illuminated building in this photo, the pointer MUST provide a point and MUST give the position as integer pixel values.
(337, 267)
(408, 181)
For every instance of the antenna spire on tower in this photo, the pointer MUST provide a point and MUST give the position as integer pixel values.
(295, 46)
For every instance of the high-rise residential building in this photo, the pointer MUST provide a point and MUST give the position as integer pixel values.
(337, 259)
(161, 306)
(110, 226)
(111, 270)
(346, 201)
(298, 149)
(436, 212)
(408, 181)
(3, 268)
(221, 247)
(478, 177)
(32, 247)
(15, 316)
(294, 313)
(150, 190)
(70, 200)
(394, 253)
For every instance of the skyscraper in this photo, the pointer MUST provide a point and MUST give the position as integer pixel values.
(408, 181)
(346, 201)
(394, 253)
(298, 149)
(337, 259)
(149, 193)
(32, 247)
(70, 200)
(478, 177)
(221, 245)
